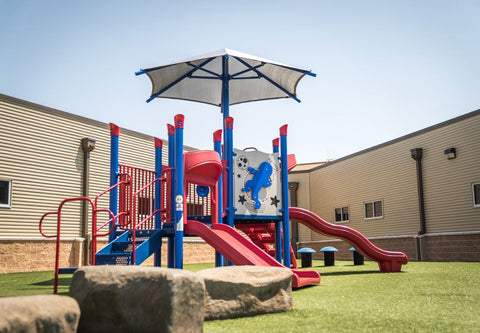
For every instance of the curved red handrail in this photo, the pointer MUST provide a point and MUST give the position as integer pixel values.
(57, 236)
(41, 222)
(135, 224)
(95, 234)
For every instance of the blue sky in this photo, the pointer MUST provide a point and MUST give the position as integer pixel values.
(384, 68)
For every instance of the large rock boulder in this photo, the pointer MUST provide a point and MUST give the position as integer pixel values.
(43, 313)
(240, 291)
(138, 299)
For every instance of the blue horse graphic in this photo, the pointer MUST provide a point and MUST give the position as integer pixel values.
(260, 179)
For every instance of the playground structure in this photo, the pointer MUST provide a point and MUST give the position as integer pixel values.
(185, 197)
(211, 193)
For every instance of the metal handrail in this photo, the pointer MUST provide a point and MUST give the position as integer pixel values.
(111, 221)
(126, 182)
(41, 222)
(134, 202)
(95, 230)
(57, 236)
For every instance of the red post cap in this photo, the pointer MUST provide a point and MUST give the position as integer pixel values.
(179, 119)
(283, 130)
(114, 130)
(276, 142)
(217, 136)
(171, 129)
(158, 143)
(229, 123)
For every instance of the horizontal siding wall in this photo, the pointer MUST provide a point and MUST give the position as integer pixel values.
(40, 151)
(388, 173)
(384, 174)
(303, 201)
(448, 183)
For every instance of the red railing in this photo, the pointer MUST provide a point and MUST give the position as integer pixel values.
(144, 204)
(95, 229)
(57, 235)
(125, 182)
(165, 181)
(136, 208)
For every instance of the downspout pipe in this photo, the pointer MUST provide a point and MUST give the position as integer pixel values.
(417, 154)
(88, 145)
(293, 187)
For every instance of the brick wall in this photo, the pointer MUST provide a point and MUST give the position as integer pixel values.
(461, 247)
(464, 247)
(404, 244)
(39, 255)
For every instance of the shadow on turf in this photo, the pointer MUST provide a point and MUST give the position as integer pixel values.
(348, 273)
(61, 282)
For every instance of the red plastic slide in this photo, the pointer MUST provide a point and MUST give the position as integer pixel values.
(388, 261)
(240, 251)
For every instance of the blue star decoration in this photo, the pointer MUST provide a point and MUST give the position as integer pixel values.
(241, 199)
(275, 201)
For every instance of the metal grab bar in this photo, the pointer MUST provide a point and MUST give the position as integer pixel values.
(126, 182)
(41, 222)
(112, 220)
(57, 236)
(95, 230)
(134, 205)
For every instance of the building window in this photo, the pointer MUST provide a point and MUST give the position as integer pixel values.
(341, 214)
(373, 210)
(5, 193)
(476, 195)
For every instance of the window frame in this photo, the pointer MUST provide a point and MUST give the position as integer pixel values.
(9, 193)
(341, 214)
(374, 217)
(475, 204)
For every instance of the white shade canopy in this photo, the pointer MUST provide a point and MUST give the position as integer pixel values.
(200, 79)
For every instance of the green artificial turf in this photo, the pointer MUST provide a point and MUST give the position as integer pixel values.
(425, 297)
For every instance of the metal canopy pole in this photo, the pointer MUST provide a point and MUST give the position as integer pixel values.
(178, 185)
(227, 140)
(285, 207)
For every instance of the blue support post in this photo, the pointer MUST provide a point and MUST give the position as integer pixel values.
(178, 192)
(158, 196)
(228, 151)
(171, 164)
(228, 139)
(229, 155)
(217, 146)
(278, 224)
(114, 145)
(285, 208)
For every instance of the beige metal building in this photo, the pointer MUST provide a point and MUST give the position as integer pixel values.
(419, 194)
(376, 191)
(41, 163)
